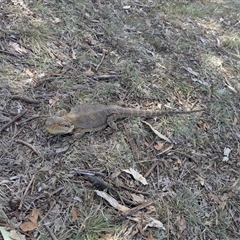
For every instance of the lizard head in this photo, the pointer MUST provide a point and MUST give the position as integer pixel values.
(58, 125)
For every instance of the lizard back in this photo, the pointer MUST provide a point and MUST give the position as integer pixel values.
(96, 115)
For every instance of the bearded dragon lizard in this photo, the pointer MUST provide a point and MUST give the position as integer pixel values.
(88, 118)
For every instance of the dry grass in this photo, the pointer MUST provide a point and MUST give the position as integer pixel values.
(170, 55)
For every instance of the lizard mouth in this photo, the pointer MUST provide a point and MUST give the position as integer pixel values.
(58, 130)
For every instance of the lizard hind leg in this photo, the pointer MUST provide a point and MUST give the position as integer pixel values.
(111, 121)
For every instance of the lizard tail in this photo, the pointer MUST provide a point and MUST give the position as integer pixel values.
(148, 113)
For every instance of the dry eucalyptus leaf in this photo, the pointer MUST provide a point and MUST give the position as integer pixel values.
(158, 133)
(137, 176)
(33, 216)
(154, 223)
(16, 235)
(5, 233)
(158, 146)
(28, 226)
(89, 72)
(113, 202)
(17, 48)
(137, 198)
(53, 100)
(74, 213)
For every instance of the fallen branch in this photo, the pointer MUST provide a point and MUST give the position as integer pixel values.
(13, 120)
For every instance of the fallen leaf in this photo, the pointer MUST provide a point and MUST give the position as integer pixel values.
(158, 133)
(16, 235)
(158, 146)
(113, 202)
(214, 197)
(5, 233)
(154, 223)
(65, 147)
(181, 223)
(137, 176)
(203, 125)
(226, 152)
(57, 20)
(33, 216)
(235, 121)
(151, 238)
(28, 226)
(148, 22)
(53, 100)
(89, 72)
(29, 73)
(17, 48)
(74, 213)
(137, 198)
(74, 54)
(201, 180)
(107, 236)
(32, 224)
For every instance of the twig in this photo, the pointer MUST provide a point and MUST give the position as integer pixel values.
(25, 99)
(13, 120)
(168, 223)
(132, 145)
(106, 77)
(134, 190)
(150, 170)
(8, 53)
(52, 205)
(135, 209)
(101, 61)
(50, 232)
(8, 114)
(184, 154)
(25, 193)
(28, 145)
(18, 132)
(27, 120)
(166, 150)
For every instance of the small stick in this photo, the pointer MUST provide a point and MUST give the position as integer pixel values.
(48, 230)
(101, 61)
(13, 120)
(150, 170)
(106, 77)
(134, 190)
(25, 193)
(132, 145)
(184, 154)
(28, 145)
(27, 120)
(8, 53)
(135, 209)
(25, 99)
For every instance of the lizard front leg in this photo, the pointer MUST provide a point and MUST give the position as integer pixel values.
(78, 133)
(111, 121)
